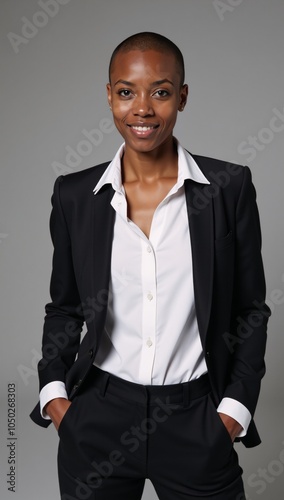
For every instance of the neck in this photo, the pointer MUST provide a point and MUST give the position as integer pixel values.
(151, 165)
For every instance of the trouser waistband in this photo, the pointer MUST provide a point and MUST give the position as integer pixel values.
(181, 393)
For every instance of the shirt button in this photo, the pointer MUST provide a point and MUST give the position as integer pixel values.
(149, 249)
(149, 296)
(149, 342)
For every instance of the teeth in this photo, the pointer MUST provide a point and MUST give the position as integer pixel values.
(142, 129)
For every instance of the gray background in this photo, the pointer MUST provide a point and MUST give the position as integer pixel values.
(53, 89)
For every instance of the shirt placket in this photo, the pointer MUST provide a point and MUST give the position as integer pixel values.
(149, 290)
(149, 311)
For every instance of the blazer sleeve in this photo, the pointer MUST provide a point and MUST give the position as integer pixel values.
(64, 318)
(247, 338)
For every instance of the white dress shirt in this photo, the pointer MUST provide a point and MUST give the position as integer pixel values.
(151, 334)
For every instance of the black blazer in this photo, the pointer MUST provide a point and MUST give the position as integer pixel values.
(229, 283)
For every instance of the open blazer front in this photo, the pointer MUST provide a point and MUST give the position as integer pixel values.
(229, 284)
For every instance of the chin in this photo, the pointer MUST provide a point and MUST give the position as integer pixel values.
(143, 145)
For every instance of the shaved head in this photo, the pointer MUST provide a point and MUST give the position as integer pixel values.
(147, 40)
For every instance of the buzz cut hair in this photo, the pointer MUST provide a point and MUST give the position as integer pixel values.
(147, 40)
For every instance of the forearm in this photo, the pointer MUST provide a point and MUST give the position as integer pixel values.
(64, 316)
(246, 340)
(60, 345)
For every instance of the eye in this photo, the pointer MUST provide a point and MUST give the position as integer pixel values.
(124, 93)
(162, 93)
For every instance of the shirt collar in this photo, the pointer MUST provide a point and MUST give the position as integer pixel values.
(187, 169)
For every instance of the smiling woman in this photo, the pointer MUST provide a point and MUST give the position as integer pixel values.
(154, 359)
(145, 95)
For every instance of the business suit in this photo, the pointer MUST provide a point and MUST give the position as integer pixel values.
(228, 278)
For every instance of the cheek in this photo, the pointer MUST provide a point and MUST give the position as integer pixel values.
(170, 118)
(121, 108)
(168, 112)
(120, 117)
(120, 121)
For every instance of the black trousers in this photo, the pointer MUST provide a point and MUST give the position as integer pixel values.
(117, 433)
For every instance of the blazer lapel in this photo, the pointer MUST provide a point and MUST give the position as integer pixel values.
(102, 234)
(200, 217)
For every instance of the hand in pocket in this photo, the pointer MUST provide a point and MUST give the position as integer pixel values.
(56, 409)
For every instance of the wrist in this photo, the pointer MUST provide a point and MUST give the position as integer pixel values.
(233, 427)
(56, 408)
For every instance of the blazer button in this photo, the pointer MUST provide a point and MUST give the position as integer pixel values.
(76, 386)
(91, 352)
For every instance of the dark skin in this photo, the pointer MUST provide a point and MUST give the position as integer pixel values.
(145, 94)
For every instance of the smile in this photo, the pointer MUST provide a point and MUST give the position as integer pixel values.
(142, 129)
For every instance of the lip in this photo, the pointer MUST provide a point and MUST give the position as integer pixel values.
(142, 129)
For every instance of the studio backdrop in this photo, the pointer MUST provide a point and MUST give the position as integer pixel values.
(55, 120)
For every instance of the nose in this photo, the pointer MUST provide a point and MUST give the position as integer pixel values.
(142, 106)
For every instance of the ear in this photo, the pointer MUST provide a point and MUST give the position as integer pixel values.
(108, 88)
(183, 97)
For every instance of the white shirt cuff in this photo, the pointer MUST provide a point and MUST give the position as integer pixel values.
(51, 391)
(236, 410)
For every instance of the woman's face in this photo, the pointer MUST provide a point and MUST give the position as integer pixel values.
(145, 94)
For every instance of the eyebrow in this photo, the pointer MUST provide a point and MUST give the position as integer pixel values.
(158, 82)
